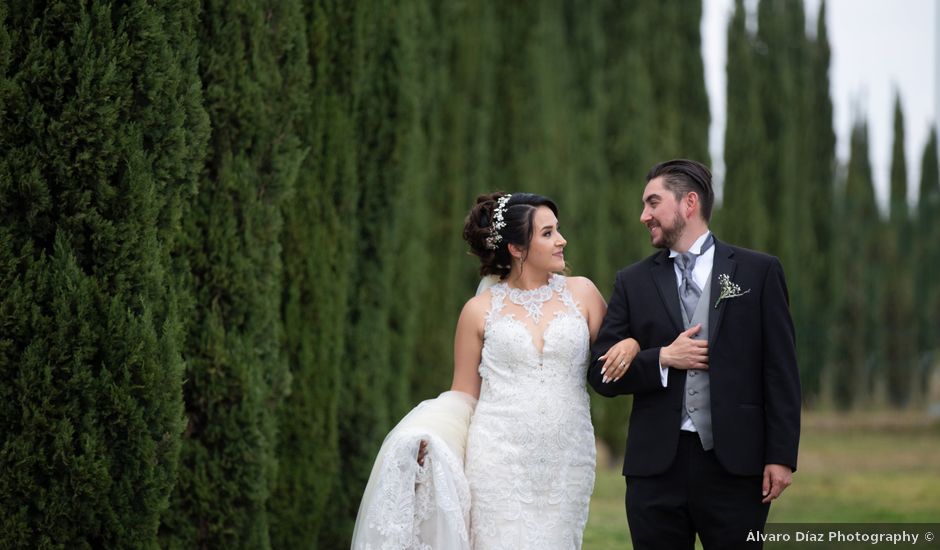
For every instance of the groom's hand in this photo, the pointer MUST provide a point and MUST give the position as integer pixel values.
(777, 477)
(685, 352)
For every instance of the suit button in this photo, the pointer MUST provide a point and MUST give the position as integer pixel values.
(693, 392)
(692, 373)
(691, 409)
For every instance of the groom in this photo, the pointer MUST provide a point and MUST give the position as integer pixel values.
(715, 423)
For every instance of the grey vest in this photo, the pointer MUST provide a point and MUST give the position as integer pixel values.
(697, 402)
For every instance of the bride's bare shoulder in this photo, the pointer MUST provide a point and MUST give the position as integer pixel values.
(476, 308)
(478, 305)
(583, 288)
(473, 314)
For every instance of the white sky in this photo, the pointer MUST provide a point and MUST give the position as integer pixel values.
(878, 46)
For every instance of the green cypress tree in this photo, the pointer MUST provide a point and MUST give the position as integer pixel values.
(372, 392)
(101, 143)
(413, 246)
(565, 161)
(586, 223)
(460, 112)
(743, 219)
(787, 99)
(661, 49)
(798, 241)
(560, 96)
(670, 40)
(855, 276)
(626, 123)
(517, 125)
(653, 107)
(253, 68)
(898, 312)
(927, 235)
(319, 228)
(781, 44)
(691, 96)
(820, 140)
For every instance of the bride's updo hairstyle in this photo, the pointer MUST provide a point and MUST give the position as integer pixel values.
(489, 237)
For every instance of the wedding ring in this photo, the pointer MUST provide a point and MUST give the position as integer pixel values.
(623, 364)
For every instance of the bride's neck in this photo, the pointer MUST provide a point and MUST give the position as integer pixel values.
(528, 279)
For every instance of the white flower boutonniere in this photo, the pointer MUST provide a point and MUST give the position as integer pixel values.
(728, 289)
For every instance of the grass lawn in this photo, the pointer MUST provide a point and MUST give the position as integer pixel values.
(875, 469)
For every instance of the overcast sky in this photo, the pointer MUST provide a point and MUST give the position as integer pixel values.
(878, 46)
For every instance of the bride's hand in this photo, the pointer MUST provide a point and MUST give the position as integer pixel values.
(422, 452)
(618, 358)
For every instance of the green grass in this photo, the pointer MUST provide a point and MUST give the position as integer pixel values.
(869, 470)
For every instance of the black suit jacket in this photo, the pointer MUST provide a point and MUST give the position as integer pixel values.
(755, 387)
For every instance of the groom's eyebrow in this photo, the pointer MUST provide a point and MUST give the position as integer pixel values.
(650, 198)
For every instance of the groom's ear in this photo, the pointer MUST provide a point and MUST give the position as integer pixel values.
(691, 203)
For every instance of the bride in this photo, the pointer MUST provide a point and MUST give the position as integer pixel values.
(506, 458)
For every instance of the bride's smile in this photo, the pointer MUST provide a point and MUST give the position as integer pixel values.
(546, 250)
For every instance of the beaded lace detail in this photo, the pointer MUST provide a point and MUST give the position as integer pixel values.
(530, 452)
(532, 300)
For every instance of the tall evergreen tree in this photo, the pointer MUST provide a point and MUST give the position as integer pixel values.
(101, 143)
(318, 241)
(743, 219)
(786, 101)
(855, 299)
(627, 123)
(586, 221)
(460, 119)
(898, 302)
(777, 105)
(926, 239)
(820, 158)
(253, 68)
(412, 173)
(691, 96)
(782, 58)
(672, 47)
(380, 131)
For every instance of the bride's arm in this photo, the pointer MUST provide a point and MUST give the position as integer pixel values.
(468, 346)
(591, 300)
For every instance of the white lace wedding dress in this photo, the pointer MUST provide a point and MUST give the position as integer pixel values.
(525, 479)
(530, 450)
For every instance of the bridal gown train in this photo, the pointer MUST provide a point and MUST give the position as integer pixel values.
(530, 450)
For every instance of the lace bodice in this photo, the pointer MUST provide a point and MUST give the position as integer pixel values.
(530, 453)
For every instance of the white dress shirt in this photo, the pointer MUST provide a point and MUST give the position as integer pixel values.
(700, 274)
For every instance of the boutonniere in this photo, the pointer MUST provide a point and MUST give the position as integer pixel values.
(728, 289)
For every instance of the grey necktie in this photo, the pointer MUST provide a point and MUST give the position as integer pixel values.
(689, 292)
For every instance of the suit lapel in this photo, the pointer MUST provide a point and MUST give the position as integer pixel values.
(722, 265)
(665, 276)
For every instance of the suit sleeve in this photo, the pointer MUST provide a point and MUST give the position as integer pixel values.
(782, 394)
(644, 374)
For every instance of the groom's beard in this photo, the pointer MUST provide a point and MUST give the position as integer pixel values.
(671, 235)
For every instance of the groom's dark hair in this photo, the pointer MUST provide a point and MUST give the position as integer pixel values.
(682, 176)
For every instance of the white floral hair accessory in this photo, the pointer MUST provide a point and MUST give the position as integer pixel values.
(492, 242)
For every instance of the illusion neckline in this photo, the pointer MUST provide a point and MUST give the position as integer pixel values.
(555, 282)
(532, 299)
